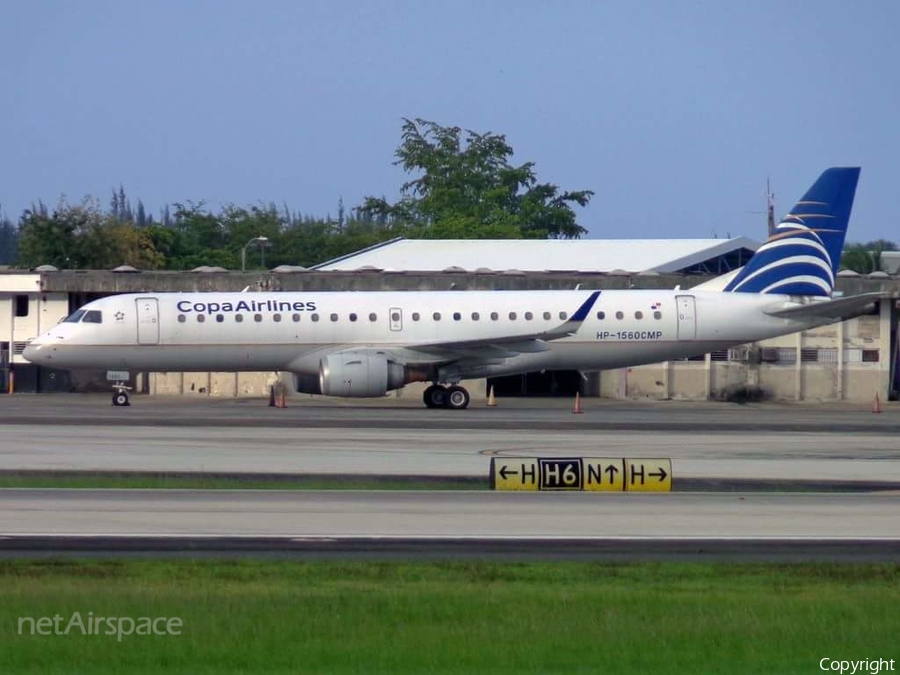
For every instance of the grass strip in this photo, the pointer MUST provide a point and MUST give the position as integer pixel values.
(380, 617)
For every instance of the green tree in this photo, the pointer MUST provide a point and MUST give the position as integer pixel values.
(466, 187)
(243, 224)
(865, 258)
(202, 237)
(9, 240)
(83, 237)
(46, 239)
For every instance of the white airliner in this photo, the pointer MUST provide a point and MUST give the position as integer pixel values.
(364, 344)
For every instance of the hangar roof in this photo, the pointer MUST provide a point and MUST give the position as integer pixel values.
(707, 256)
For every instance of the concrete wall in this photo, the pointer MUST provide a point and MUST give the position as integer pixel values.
(212, 384)
(847, 361)
(257, 385)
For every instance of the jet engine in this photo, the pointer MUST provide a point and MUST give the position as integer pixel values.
(355, 375)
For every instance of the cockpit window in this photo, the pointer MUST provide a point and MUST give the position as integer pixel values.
(93, 316)
(75, 316)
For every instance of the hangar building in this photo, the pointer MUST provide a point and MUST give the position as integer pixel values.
(674, 256)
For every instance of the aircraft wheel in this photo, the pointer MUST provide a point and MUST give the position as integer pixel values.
(435, 396)
(457, 398)
(120, 398)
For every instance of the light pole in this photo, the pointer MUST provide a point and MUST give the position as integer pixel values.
(256, 240)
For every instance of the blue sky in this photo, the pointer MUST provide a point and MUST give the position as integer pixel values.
(674, 113)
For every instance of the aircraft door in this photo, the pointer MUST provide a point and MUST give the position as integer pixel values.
(396, 316)
(147, 321)
(687, 317)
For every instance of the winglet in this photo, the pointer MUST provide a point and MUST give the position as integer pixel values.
(582, 312)
(574, 323)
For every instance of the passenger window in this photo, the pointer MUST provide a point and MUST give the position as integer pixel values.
(475, 316)
(436, 316)
(239, 318)
(620, 316)
(415, 316)
(314, 317)
(563, 316)
(334, 317)
(601, 315)
(395, 316)
(494, 316)
(353, 316)
(220, 318)
(93, 316)
(512, 316)
(457, 316)
(201, 318)
(276, 318)
(638, 315)
(295, 318)
(373, 317)
(75, 316)
(547, 316)
(657, 315)
(257, 318)
(181, 318)
(529, 316)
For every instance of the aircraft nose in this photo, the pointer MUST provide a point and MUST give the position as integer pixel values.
(32, 351)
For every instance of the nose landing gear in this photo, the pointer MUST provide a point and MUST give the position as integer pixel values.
(120, 397)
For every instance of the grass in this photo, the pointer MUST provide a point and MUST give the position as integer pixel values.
(176, 481)
(361, 617)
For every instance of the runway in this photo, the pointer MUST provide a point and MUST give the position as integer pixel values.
(338, 513)
(464, 524)
(708, 440)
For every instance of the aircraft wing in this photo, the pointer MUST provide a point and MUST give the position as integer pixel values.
(842, 308)
(510, 345)
(490, 349)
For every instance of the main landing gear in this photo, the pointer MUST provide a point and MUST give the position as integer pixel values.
(120, 397)
(438, 396)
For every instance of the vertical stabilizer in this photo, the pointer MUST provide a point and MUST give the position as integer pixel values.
(802, 256)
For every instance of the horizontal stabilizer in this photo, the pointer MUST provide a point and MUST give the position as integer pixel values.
(842, 308)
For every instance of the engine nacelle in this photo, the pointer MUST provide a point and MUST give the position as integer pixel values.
(359, 375)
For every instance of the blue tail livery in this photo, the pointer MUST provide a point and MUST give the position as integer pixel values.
(803, 255)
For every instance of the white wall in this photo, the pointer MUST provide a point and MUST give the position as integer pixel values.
(44, 311)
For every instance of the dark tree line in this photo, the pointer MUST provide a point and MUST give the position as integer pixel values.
(85, 236)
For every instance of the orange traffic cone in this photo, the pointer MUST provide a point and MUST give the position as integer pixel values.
(876, 406)
(492, 402)
(282, 403)
(577, 410)
(271, 397)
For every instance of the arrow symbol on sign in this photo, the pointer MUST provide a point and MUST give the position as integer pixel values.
(612, 471)
(661, 473)
(505, 472)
